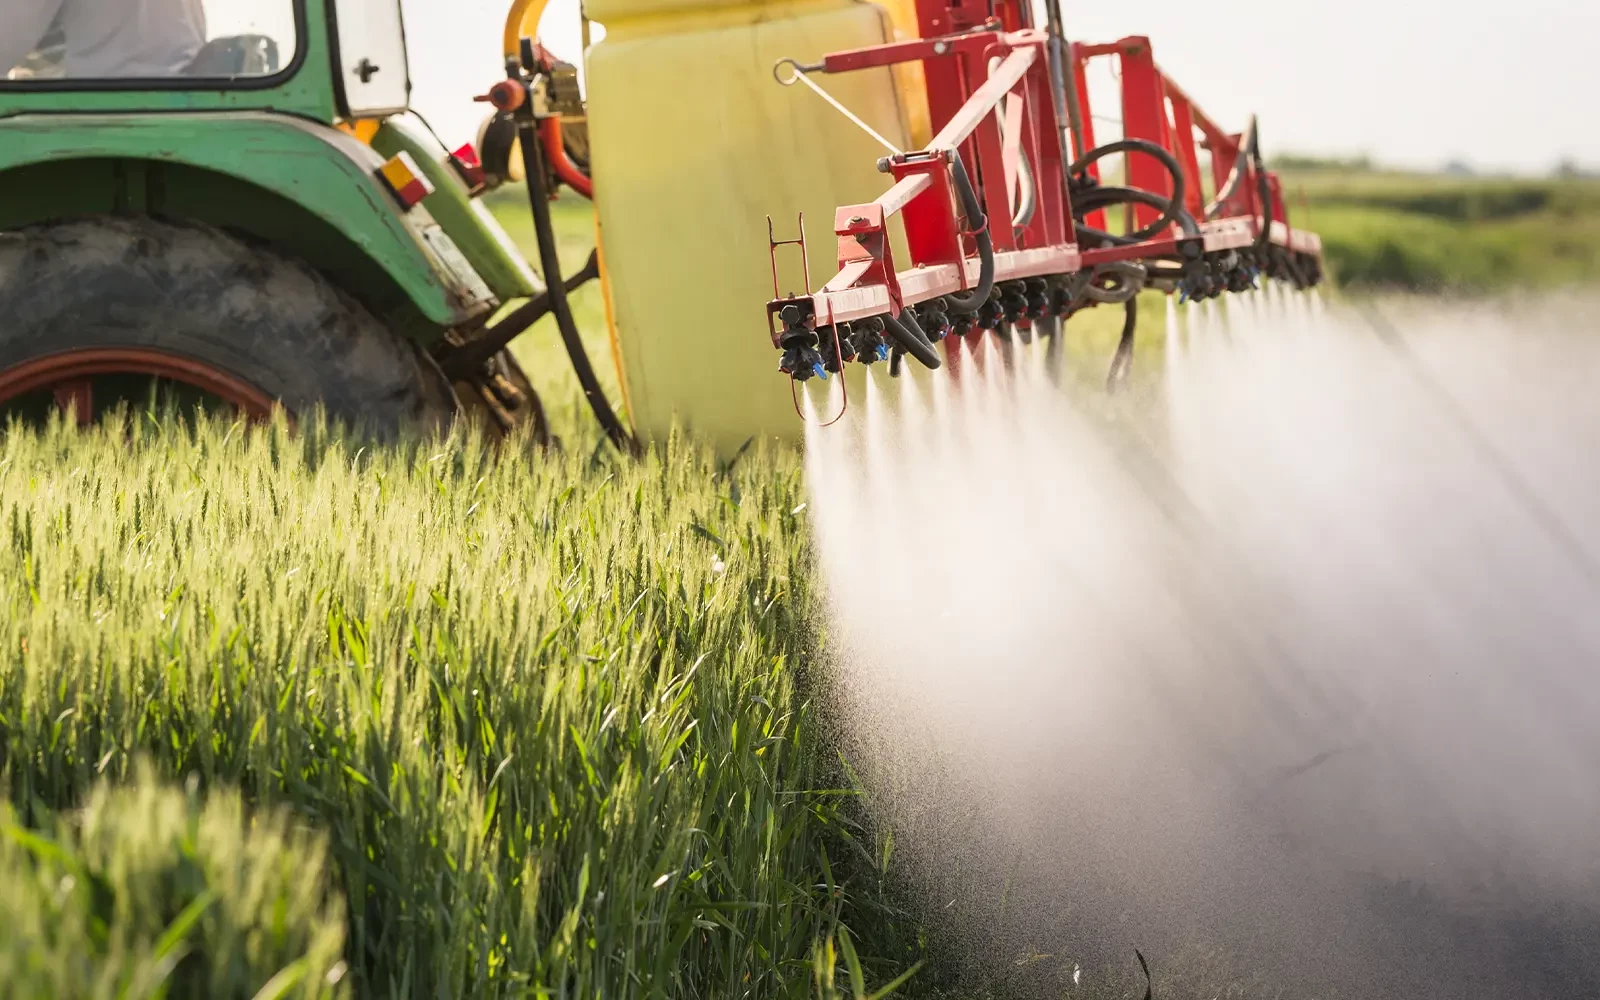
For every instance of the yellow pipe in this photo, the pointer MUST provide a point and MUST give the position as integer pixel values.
(522, 22)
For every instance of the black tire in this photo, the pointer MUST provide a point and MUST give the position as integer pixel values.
(201, 294)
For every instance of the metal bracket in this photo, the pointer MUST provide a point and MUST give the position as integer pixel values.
(864, 238)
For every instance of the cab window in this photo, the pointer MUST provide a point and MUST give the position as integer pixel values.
(157, 40)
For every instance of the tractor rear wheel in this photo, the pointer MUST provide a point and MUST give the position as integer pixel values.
(92, 310)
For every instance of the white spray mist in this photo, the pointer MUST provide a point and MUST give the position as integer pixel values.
(1293, 657)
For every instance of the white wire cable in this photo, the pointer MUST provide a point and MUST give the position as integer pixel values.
(800, 75)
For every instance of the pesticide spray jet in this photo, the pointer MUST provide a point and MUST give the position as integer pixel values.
(1283, 665)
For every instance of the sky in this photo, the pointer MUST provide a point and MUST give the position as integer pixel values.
(1502, 86)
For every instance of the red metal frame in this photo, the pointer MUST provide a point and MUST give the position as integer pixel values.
(1156, 109)
(984, 63)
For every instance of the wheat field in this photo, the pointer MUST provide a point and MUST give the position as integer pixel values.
(283, 714)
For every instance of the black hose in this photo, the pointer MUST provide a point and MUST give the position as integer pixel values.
(1063, 87)
(1129, 279)
(909, 336)
(539, 201)
(1097, 198)
(1122, 361)
(1264, 191)
(1174, 201)
(970, 301)
(1163, 273)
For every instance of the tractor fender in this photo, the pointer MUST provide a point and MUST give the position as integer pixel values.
(306, 189)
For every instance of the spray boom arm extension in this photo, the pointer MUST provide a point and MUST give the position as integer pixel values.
(997, 91)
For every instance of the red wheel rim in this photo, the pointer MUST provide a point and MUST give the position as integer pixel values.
(69, 375)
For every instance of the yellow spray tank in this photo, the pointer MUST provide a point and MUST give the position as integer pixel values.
(693, 143)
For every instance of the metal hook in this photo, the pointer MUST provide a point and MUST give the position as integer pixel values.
(799, 70)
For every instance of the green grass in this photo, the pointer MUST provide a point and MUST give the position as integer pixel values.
(1387, 230)
(536, 727)
(149, 888)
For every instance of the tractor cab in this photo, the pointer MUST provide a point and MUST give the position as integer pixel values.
(241, 56)
(222, 53)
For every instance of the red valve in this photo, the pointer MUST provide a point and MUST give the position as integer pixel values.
(507, 95)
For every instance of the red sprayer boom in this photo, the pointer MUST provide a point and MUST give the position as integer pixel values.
(1005, 210)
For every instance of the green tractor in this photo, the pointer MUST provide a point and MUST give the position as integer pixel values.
(242, 211)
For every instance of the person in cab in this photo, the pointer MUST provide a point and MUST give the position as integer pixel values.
(106, 39)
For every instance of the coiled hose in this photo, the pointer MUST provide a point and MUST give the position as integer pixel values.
(1097, 198)
(1086, 199)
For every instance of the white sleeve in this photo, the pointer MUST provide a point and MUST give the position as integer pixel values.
(24, 25)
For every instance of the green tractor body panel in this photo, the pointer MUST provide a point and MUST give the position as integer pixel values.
(481, 238)
(264, 159)
(306, 189)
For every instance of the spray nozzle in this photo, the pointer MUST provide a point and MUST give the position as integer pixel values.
(1200, 281)
(1038, 294)
(837, 346)
(933, 319)
(867, 341)
(1014, 301)
(802, 361)
(991, 314)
